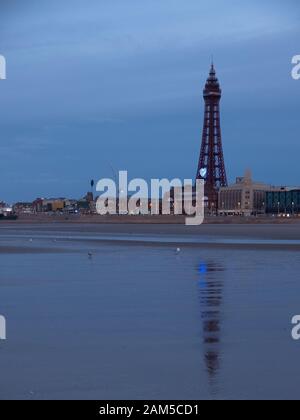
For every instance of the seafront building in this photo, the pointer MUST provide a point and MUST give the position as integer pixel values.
(250, 198)
(243, 198)
(23, 207)
(283, 201)
(86, 205)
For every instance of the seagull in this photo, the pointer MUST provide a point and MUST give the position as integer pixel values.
(178, 250)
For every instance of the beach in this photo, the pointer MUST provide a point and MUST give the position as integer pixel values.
(127, 311)
(95, 219)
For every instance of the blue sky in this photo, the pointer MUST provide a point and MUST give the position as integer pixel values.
(118, 83)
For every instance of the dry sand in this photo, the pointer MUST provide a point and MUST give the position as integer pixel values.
(145, 220)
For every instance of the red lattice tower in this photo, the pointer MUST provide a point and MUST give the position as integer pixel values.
(211, 167)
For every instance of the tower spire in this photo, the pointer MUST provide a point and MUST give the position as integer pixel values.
(211, 167)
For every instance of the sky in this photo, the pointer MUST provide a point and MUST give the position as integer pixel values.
(106, 85)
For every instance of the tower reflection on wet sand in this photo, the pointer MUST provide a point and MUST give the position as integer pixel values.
(211, 298)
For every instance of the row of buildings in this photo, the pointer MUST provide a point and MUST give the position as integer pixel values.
(85, 205)
(249, 198)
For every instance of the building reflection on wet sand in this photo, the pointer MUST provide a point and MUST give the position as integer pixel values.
(211, 287)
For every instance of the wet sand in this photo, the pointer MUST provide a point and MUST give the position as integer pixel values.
(62, 237)
(137, 320)
(30, 250)
(115, 312)
(255, 231)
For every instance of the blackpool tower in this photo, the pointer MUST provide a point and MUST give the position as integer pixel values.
(211, 167)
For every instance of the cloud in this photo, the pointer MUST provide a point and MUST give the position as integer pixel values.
(116, 79)
(117, 28)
